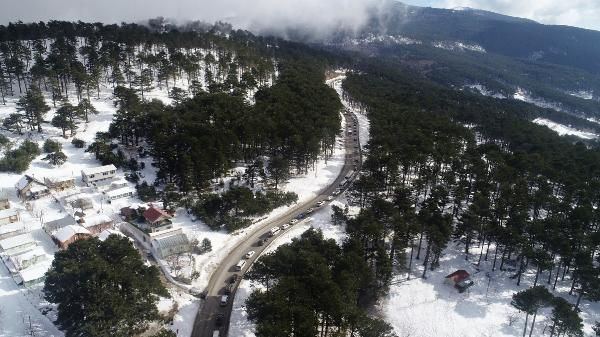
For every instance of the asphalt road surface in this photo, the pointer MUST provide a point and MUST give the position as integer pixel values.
(205, 323)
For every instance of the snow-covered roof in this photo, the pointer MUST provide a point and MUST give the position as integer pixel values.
(172, 240)
(35, 272)
(54, 225)
(94, 220)
(11, 227)
(5, 213)
(99, 169)
(38, 187)
(22, 183)
(16, 241)
(120, 191)
(67, 232)
(18, 259)
(61, 179)
(107, 232)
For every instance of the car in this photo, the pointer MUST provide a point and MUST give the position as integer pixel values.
(219, 320)
(260, 242)
(293, 221)
(329, 198)
(249, 254)
(284, 226)
(301, 216)
(320, 203)
(310, 210)
(233, 278)
(224, 300)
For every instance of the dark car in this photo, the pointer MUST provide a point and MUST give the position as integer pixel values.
(219, 320)
(260, 242)
(233, 278)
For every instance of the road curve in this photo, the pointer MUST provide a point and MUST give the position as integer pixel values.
(205, 321)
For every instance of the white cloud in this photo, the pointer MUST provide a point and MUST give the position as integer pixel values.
(579, 13)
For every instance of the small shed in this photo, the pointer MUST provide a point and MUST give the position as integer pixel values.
(460, 279)
(174, 242)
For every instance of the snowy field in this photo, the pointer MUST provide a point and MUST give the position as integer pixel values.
(431, 308)
(564, 130)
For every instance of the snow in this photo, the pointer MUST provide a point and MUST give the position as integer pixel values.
(16, 241)
(523, 95)
(457, 45)
(67, 232)
(429, 307)
(99, 169)
(481, 89)
(565, 130)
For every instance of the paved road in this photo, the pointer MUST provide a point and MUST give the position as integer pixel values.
(205, 322)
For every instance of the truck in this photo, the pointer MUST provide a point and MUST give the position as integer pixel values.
(274, 231)
(240, 265)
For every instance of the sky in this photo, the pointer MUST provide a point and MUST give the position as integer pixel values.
(260, 14)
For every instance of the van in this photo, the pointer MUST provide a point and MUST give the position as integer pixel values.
(240, 265)
(274, 231)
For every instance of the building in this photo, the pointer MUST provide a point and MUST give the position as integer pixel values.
(30, 188)
(157, 219)
(96, 223)
(32, 275)
(12, 229)
(69, 234)
(122, 192)
(96, 174)
(27, 259)
(51, 227)
(129, 214)
(17, 244)
(460, 279)
(169, 243)
(59, 183)
(8, 216)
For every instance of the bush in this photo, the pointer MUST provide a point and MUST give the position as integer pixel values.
(146, 192)
(18, 160)
(78, 143)
(52, 146)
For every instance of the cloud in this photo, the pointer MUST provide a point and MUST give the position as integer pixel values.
(579, 13)
(318, 15)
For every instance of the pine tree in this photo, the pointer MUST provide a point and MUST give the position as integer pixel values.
(33, 107)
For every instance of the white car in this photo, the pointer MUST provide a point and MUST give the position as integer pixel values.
(284, 226)
(310, 210)
(329, 198)
(293, 221)
(250, 254)
(320, 203)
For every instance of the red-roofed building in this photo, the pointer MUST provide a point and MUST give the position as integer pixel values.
(460, 279)
(157, 219)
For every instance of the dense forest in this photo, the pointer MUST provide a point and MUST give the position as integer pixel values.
(443, 165)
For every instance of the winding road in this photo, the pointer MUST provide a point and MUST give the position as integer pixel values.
(205, 324)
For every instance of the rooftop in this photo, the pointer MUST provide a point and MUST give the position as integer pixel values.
(172, 240)
(153, 213)
(120, 191)
(67, 232)
(16, 241)
(99, 169)
(5, 213)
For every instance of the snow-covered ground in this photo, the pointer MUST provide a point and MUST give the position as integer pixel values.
(565, 130)
(431, 308)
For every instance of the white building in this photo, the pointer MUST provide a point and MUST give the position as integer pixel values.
(123, 192)
(27, 259)
(17, 244)
(169, 243)
(95, 174)
(8, 216)
(12, 229)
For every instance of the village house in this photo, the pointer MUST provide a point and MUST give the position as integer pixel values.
(4, 203)
(51, 227)
(30, 188)
(59, 183)
(27, 259)
(123, 192)
(12, 229)
(32, 275)
(8, 216)
(460, 279)
(168, 243)
(17, 244)
(69, 234)
(157, 219)
(97, 174)
(96, 223)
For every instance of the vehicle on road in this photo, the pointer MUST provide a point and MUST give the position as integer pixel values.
(320, 203)
(274, 231)
(310, 210)
(294, 221)
(219, 320)
(249, 254)
(233, 278)
(329, 198)
(240, 265)
(260, 242)
(285, 226)
(224, 300)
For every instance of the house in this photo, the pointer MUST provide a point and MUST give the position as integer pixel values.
(27, 259)
(59, 183)
(128, 213)
(460, 279)
(96, 223)
(12, 229)
(170, 243)
(51, 227)
(30, 188)
(157, 219)
(96, 174)
(4, 203)
(8, 216)
(32, 275)
(122, 192)
(17, 244)
(69, 234)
